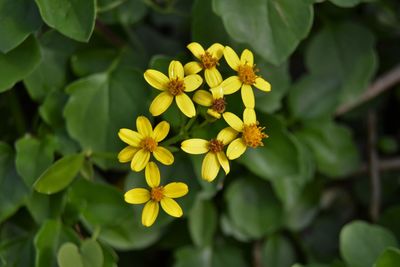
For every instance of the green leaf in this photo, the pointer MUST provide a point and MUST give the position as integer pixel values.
(18, 63)
(253, 207)
(92, 253)
(362, 243)
(273, 28)
(92, 61)
(348, 3)
(203, 222)
(73, 18)
(390, 219)
(68, 256)
(389, 258)
(124, 12)
(18, 20)
(33, 156)
(60, 174)
(44, 207)
(277, 251)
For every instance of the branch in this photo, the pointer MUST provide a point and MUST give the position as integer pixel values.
(257, 253)
(384, 165)
(373, 167)
(386, 81)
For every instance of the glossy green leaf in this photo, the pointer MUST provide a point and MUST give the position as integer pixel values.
(125, 12)
(18, 63)
(92, 253)
(390, 218)
(68, 256)
(362, 243)
(273, 28)
(277, 251)
(389, 258)
(43, 207)
(60, 174)
(92, 61)
(348, 3)
(203, 222)
(74, 19)
(18, 20)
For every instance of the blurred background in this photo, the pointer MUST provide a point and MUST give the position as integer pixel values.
(323, 191)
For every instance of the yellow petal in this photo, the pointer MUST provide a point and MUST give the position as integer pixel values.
(186, 105)
(171, 207)
(137, 196)
(234, 121)
(213, 113)
(231, 58)
(249, 116)
(231, 85)
(236, 149)
(144, 127)
(216, 50)
(223, 161)
(210, 167)
(227, 135)
(163, 155)
(247, 57)
(130, 137)
(161, 131)
(175, 190)
(192, 82)
(262, 84)
(152, 174)
(195, 146)
(202, 97)
(150, 213)
(192, 67)
(175, 70)
(213, 77)
(248, 96)
(196, 49)
(126, 154)
(217, 92)
(140, 160)
(156, 79)
(161, 103)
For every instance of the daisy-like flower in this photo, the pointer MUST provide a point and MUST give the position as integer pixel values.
(173, 87)
(215, 157)
(143, 143)
(251, 134)
(215, 100)
(157, 195)
(208, 61)
(245, 78)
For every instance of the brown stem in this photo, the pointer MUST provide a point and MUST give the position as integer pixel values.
(257, 254)
(386, 81)
(373, 167)
(384, 165)
(109, 35)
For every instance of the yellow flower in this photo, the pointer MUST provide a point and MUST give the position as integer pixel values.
(215, 100)
(245, 78)
(208, 61)
(251, 134)
(173, 87)
(143, 143)
(215, 157)
(157, 194)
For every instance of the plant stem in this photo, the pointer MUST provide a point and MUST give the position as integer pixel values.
(373, 167)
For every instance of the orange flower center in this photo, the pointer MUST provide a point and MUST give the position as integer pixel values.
(219, 105)
(247, 74)
(148, 144)
(157, 193)
(253, 135)
(215, 145)
(208, 60)
(176, 86)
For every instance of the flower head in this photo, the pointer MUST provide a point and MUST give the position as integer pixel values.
(157, 195)
(215, 157)
(252, 135)
(214, 100)
(245, 78)
(173, 87)
(208, 60)
(143, 143)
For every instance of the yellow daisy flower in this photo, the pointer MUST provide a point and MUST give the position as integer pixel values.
(157, 195)
(143, 143)
(173, 87)
(215, 157)
(208, 61)
(215, 100)
(245, 78)
(251, 134)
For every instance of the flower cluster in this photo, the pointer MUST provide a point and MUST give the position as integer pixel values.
(229, 144)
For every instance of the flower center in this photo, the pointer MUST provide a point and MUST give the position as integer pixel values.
(215, 145)
(247, 74)
(253, 135)
(157, 193)
(148, 144)
(176, 86)
(208, 60)
(219, 105)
